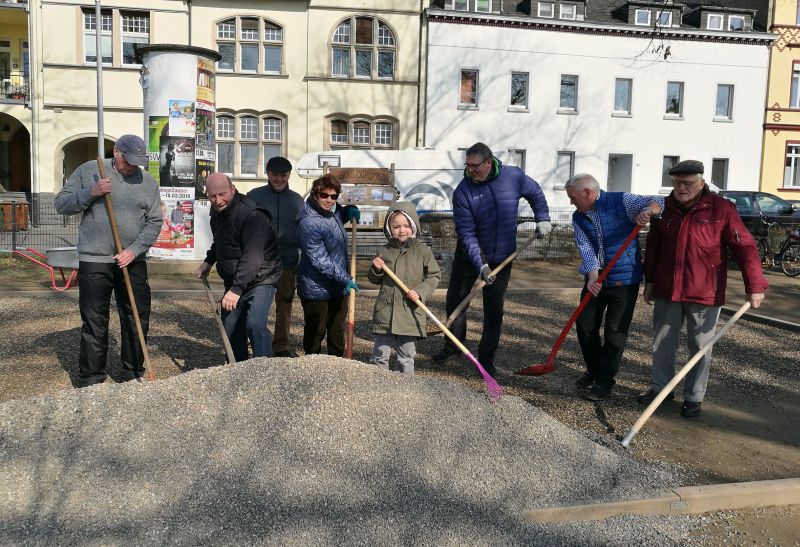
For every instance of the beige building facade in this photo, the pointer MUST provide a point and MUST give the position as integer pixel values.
(295, 76)
(780, 169)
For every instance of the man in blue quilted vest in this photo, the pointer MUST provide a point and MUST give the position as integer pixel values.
(602, 221)
(485, 211)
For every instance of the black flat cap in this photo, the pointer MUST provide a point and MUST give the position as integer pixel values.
(279, 164)
(688, 167)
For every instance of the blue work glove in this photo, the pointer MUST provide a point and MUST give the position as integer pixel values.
(543, 228)
(353, 213)
(486, 274)
(352, 284)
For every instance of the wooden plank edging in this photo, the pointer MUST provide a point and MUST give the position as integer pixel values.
(686, 500)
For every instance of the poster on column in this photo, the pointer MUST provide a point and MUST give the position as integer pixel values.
(181, 118)
(176, 162)
(203, 168)
(205, 84)
(157, 127)
(176, 238)
(205, 130)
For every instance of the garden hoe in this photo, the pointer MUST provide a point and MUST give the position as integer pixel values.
(225, 341)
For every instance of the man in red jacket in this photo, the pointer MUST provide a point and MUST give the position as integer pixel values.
(685, 271)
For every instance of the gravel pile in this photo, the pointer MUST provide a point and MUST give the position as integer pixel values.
(307, 451)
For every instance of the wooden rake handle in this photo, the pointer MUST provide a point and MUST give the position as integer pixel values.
(225, 341)
(351, 304)
(681, 374)
(112, 219)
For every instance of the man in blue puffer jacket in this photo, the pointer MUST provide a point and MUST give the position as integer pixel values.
(485, 210)
(602, 222)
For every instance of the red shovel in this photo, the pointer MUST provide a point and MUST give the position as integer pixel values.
(549, 366)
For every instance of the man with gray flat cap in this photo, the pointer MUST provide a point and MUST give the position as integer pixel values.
(686, 272)
(137, 208)
(283, 205)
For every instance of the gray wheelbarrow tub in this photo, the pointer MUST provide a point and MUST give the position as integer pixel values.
(63, 257)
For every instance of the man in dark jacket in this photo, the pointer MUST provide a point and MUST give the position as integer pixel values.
(602, 222)
(245, 251)
(485, 210)
(283, 204)
(686, 271)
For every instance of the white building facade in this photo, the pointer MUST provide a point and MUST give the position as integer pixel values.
(621, 102)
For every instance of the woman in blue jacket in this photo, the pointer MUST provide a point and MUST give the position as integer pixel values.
(322, 278)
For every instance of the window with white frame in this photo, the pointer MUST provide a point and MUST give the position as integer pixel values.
(565, 168)
(90, 36)
(714, 21)
(460, 5)
(666, 164)
(225, 144)
(250, 45)
(568, 11)
(735, 22)
(135, 30)
(622, 95)
(484, 6)
(246, 142)
(546, 9)
(794, 98)
(468, 87)
(719, 173)
(360, 133)
(518, 155)
(642, 17)
(674, 106)
(568, 94)
(664, 18)
(363, 47)
(724, 105)
(519, 89)
(791, 173)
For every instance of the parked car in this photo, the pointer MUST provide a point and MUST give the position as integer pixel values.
(753, 206)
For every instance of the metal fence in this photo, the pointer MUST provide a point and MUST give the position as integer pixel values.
(36, 224)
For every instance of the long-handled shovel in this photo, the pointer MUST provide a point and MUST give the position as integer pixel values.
(549, 366)
(495, 391)
(479, 285)
(225, 341)
(351, 305)
(681, 373)
(112, 219)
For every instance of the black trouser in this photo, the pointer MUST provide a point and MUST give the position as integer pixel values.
(603, 357)
(321, 317)
(96, 281)
(462, 278)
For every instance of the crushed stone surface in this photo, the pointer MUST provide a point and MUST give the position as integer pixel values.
(315, 450)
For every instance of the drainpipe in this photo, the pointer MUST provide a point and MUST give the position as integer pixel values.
(419, 66)
(425, 106)
(32, 58)
(189, 6)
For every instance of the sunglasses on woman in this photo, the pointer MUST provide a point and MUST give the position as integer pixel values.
(325, 195)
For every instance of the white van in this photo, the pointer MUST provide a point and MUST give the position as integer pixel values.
(424, 176)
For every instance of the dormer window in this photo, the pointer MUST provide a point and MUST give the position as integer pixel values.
(568, 11)
(735, 22)
(664, 19)
(714, 21)
(642, 18)
(459, 5)
(546, 9)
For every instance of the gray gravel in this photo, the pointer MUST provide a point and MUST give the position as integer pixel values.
(308, 451)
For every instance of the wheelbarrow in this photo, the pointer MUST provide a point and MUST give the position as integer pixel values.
(59, 258)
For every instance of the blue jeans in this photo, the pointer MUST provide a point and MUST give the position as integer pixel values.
(249, 321)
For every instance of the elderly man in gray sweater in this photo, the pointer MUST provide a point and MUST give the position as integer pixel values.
(137, 207)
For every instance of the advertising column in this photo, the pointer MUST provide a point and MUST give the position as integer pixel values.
(179, 113)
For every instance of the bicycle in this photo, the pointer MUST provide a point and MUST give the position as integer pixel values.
(788, 255)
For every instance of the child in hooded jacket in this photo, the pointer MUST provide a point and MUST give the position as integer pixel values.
(397, 321)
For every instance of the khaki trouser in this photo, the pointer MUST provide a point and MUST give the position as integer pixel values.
(283, 310)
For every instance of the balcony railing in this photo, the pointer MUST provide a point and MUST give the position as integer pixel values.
(14, 85)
